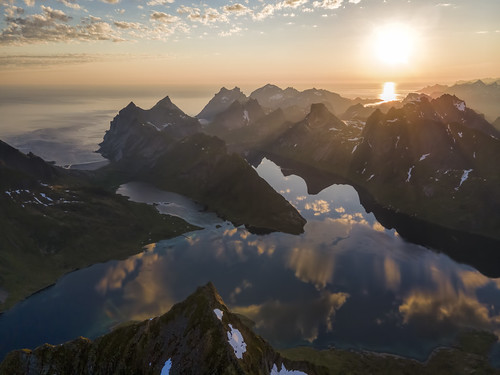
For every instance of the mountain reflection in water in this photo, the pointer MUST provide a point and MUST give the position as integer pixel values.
(345, 282)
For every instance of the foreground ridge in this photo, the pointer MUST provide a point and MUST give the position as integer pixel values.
(200, 335)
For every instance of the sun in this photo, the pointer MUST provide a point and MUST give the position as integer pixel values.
(394, 43)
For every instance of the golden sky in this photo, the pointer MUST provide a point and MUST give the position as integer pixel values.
(248, 42)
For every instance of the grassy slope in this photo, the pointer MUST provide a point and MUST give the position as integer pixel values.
(38, 244)
(468, 357)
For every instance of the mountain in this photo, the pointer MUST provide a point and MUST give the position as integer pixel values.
(482, 97)
(257, 134)
(432, 160)
(220, 102)
(197, 166)
(202, 336)
(321, 139)
(273, 97)
(237, 115)
(496, 123)
(428, 159)
(165, 118)
(53, 221)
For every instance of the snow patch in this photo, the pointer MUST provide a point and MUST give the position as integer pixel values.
(166, 367)
(354, 149)
(460, 134)
(284, 371)
(393, 120)
(474, 155)
(219, 313)
(423, 157)
(235, 339)
(45, 196)
(460, 106)
(369, 178)
(409, 173)
(397, 141)
(465, 176)
(246, 117)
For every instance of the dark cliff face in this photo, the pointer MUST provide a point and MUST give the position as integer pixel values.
(199, 335)
(432, 160)
(135, 131)
(321, 139)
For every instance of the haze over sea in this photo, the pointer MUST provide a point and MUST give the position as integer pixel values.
(49, 119)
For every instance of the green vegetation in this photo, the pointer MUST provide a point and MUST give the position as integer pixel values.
(76, 226)
(468, 357)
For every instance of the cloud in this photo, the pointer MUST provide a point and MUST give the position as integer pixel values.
(328, 4)
(266, 12)
(29, 3)
(12, 11)
(159, 2)
(127, 25)
(70, 4)
(238, 9)
(55, 14)
(234, 30)
(209, 15)
(291, 3)
(270, 9)
(52, 26)
(319, 207)
(29, 61)
(164, 17)
(111, 1)
(430, 310)
(292, 321)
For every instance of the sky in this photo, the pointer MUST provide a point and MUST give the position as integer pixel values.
(247, 42)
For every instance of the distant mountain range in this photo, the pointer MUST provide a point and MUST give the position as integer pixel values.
(166, 147)
(202, 336)
(482, 97)
(427, 158)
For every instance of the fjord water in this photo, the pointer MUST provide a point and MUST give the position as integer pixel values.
(346, 282)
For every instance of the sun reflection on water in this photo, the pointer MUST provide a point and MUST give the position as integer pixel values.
(389, 92)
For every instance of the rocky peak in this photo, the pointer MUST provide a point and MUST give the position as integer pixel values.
(199, 335)
(220, 102)
(166, 103)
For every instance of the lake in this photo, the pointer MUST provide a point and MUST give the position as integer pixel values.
(346, 282)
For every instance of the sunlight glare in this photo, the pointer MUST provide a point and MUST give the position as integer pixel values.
(394, 43)
(389, 92)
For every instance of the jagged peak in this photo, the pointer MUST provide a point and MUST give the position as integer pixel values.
(317, 108)
(166, 103)
(225, 90)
